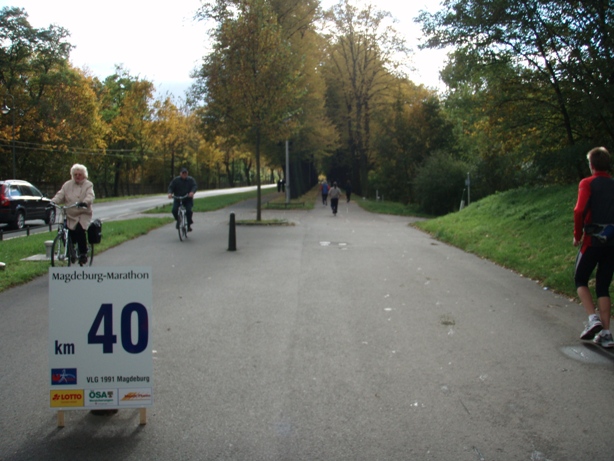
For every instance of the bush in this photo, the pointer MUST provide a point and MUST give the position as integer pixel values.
(439, 183)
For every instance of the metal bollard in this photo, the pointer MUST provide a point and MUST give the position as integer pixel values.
(232, 234)
(48, 245)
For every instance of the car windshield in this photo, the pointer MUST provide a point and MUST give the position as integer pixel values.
(36, 192)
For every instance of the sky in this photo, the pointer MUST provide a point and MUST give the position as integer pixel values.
(162, 43)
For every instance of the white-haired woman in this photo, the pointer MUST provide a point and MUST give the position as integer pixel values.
(77, 190)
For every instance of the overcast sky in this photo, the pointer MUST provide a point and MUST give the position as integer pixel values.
(162, 43)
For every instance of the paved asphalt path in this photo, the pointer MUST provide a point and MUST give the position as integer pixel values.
(354, 337)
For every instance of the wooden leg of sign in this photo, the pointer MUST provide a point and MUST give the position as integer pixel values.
(61, 418)
(143, 415)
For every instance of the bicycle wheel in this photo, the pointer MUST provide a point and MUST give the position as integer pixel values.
(60, 257)
(184, 228)
(180, 221)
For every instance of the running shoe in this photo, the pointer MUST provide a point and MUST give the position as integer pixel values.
(593, 327)
(604, 339)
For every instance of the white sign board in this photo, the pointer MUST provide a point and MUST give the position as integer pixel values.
(100, 345)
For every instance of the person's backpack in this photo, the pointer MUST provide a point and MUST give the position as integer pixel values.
(94, 232)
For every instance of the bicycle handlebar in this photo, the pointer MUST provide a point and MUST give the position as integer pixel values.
(64, 207)
(180, 198)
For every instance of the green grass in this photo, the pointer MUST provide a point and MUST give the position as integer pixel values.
(393, 208)
(216, 202)
(526, 230)
(12, 251)
(305, 202)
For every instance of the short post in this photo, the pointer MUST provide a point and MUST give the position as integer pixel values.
(60, 418)
(232, 234)
(48, 246)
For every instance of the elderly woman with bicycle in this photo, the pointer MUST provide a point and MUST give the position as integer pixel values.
(80, 191)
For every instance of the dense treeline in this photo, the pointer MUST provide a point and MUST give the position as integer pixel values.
(530, 87)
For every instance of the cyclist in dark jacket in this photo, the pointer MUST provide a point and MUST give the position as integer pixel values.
(180, 186)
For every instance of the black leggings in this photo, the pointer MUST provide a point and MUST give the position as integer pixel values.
(601, 257)
(78, 236)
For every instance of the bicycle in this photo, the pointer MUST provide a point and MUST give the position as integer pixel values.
(182, 219)
(63, 252)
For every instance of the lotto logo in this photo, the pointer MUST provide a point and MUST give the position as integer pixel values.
(72, 398)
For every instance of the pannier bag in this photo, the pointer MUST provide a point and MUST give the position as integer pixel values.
(94, 232)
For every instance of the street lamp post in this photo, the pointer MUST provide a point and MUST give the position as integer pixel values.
(6, 110)
(287, 172)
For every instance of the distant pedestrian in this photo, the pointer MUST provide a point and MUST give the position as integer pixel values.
(334, 195)
(348, 190)
(324, 189)
(593, 218)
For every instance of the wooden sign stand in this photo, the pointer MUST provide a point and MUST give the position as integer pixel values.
(142, 417)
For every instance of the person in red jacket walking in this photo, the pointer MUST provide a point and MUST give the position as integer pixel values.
(594, 233)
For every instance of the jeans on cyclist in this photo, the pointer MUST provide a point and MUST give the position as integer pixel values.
(78, 236)
(187, 203)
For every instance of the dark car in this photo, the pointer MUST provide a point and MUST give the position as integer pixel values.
(20, 201)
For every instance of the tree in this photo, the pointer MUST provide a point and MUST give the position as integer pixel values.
(56, 108)
(251, 82)
(411, 129)
(559, 53)
(361, 56)
(126, 111)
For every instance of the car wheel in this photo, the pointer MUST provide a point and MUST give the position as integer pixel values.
(50, 219)
(20, 220)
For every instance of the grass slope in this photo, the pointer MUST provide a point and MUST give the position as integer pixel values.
(526, 230)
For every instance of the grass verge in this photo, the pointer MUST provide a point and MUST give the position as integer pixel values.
(393, 208)
(12, 251)
(525, 230)
(213, 203)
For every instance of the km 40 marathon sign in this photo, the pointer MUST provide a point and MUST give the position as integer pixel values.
(100, 349)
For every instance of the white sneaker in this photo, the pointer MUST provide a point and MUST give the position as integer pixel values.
(593, 327)
(604, 339)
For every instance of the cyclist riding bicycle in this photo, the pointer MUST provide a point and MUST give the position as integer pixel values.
(180, 186)
(81, 191)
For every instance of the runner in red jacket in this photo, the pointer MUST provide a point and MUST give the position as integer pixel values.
(593, 212)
